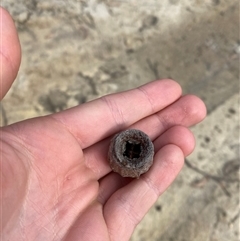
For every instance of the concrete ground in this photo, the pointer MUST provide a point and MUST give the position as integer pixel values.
(75, 51)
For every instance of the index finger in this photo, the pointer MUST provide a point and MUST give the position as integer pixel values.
(98, 119)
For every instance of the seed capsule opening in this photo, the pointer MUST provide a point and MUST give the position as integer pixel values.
(132, 150)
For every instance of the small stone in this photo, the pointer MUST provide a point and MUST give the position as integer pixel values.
(23, 17)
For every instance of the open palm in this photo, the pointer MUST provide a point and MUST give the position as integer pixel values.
(56, 182)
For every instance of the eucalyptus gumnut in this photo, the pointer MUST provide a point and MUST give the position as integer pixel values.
(131, 153)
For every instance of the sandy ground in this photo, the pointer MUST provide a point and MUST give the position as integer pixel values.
(75, 51)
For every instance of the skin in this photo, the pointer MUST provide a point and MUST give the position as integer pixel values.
(56, 183)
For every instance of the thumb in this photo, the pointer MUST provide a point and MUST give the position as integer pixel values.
(10, 52)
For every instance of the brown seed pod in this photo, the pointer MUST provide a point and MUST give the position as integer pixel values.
(131, 153)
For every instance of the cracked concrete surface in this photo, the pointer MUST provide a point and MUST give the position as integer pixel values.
(75, 51)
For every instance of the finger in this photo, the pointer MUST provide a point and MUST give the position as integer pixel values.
(175, 135)
(178, 135)
(110, 184)
(127, 206)
(96, 120)
(10, 52)
(187, 111)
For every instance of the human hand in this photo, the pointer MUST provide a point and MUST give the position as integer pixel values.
(56, 183)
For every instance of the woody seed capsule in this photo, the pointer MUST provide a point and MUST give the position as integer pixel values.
(131, 153)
